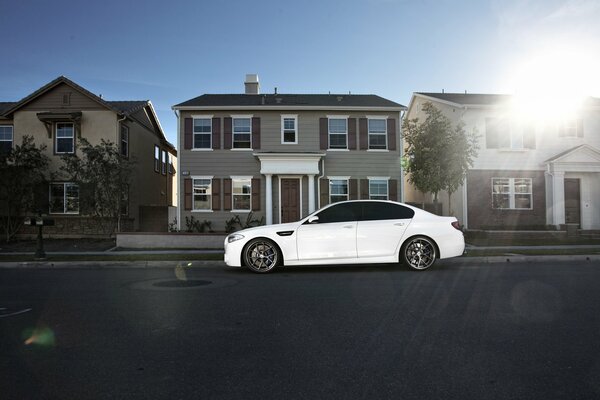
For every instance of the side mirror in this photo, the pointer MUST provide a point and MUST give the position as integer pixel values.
(313, 220)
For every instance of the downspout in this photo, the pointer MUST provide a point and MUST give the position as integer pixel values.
(178, 173)
(319, 182)
(118, 140)
(401, 115)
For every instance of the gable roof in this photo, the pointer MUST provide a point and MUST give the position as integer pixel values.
(576, 149)
(290, 100)
(5, 106)
(469, 98)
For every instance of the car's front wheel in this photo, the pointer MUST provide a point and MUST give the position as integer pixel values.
(418, 253)
(261, 255)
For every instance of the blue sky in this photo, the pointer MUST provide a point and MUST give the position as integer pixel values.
(169, 52)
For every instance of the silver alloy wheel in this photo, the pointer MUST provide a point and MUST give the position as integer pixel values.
(419, 253)
(261, 255)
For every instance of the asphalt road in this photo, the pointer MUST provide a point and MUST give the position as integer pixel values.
(496, 331)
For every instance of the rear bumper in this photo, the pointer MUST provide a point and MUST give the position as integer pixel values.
(452, 245)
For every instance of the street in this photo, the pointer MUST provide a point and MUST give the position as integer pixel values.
(502, 331)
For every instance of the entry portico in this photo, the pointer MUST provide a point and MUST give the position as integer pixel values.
(288, 166)
(573, 188)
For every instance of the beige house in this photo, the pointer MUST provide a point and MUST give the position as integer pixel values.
(282, 156)
(530, 172)
(61, 113)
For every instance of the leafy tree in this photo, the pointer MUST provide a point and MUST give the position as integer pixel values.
(23, 184)
(438, 154)
(103, 176)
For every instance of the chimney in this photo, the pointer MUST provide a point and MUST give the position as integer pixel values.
(251, 84)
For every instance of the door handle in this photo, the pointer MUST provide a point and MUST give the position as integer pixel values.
(348, 226)
(399, 224)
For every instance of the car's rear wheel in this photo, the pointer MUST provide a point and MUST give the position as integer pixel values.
(418, 253)
(261, 255)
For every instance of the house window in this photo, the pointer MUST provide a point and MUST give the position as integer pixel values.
(242, 192)
(124, 141)
(64, 198)
(338, 133)
(289, 129)
(125, 201)
(163, 163)
(501, 133)
(202, 133)
(156, 158)
(202, 194)
(378, 189)
(6, 138)
(377, 134)
(65, 138)
(512, 193)
(570, 128)
(242, 132)
(338, 190)
(171, 166)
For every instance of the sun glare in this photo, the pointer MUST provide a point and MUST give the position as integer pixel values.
(552, 84)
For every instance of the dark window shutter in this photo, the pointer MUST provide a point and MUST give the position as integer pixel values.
(255, 194)
(352, 133)
(391, 133)
(363, 133)
(353, 189)
(324, 192)
(256, 133)
(491, 133)
(393, 189)
(187, 189)
(227, 135)
(216, 194)
(188, 134)
(227, 194)
(529, 136)
(324, 133)
(216, 133)
(364, 189)
(580, 128)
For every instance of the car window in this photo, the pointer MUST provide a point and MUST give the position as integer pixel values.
(376, 211)
(343, 212)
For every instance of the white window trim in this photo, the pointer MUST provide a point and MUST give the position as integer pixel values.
(380, 178)
(339, 178)
(240, 116)
(330, 117)
(369, 118)
(202, 177)
(511, 193)
(563, 125)
(289, 116)
(64, 198)
(200, 116)
(239, 178)
(56, 137)
(12, 133)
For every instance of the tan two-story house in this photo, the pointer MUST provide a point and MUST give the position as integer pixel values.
(531, 172)
(281, 156)
(60, 114)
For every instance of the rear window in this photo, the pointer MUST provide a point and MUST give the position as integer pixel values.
(375, 211)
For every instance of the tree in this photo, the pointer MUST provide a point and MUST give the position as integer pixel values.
(23, 184)
(103, 175)
(438, 154)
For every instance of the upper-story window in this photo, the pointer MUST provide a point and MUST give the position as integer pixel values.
(378, 188)
(163, 163)
(171, 166)
(65, 138)
(202, 133)
(156, 158)
(377, 133)
(289, 129)
(571, 128)
(512, 193)
(242, 133)
(502, 133)
(124, 141)
(338, 133)
(6, 138)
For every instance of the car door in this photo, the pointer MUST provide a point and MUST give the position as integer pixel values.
(332, 235)
(382, 226)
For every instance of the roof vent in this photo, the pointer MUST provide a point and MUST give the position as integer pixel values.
(252, 85)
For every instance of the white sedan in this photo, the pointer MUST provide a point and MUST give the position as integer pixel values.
(349, 232)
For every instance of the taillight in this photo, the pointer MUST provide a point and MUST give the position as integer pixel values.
(456, 225)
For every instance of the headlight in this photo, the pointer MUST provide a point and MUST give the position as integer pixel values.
(234, 237)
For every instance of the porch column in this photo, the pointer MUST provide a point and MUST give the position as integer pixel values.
(558, 197)
(269, 199)
(311, 193)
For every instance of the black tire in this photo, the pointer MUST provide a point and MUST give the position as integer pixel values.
(418, 253)
(261, 255)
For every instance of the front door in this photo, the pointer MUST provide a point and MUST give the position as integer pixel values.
(572, 201)
(290, 200)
